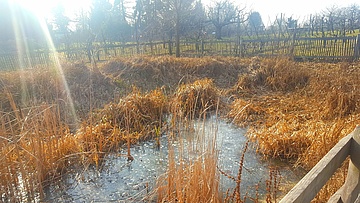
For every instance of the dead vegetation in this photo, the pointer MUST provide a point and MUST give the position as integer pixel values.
(189, 180)
(301, 121)
(273, 75)
(193, 100)
(170, 72)
(134, 118)
(287, 120)
(73, 87)
(36, 148)
(294, 111)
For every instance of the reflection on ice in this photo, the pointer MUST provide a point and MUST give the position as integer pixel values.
(120, 180)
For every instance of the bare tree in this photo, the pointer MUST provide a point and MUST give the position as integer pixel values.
(353, 17)
(99, 16)
(255, 22)
(137, 17)
(197, 21)
(117, 25)
(174, 17)
(330, 19)
(223, 13)
(279, 25)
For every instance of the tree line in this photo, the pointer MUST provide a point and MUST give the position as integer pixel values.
(120, 22)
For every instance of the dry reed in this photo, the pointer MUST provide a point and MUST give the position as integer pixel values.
(35, 154)
(135, 117)
(192, 178)
(296, 111)
(70, 84)
(193, 100)
(170, 71)
(274, 75)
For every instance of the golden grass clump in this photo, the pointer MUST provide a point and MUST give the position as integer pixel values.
(36, 148)
(193, 100)
(190, 180)
(68, 85)
(89, 89)
(136, 112)
(279, 74)
(299, 124)
(281, 140)
(337, 84)
(244, 112)
(135, 117)
(170, 71)
(289, 128)
(340, 104)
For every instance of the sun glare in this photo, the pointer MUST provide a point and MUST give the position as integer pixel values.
(43, 8)
(40, 9)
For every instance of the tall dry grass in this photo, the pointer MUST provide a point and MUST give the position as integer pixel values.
(170, 71)
(195, 99)
(69, 86)
(295, 111)
(36, 142)
(189, 180)
(36, 148)
(39, 110)
(273, 75)
(298, 111)
(192, 174)
(135, 117)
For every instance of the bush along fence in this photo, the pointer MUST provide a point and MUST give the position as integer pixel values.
(327, 48)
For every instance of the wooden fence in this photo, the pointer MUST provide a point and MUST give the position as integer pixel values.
(307, 48)
(307, 188)
(329, 48)
(11, 61)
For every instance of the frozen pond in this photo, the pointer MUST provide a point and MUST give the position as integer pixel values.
(121, 181)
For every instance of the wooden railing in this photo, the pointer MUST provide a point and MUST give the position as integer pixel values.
(307, 188)
(304, 47)
(328, 48)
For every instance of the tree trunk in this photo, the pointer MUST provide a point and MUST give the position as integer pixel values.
(170, 47)
(137, 40)
(177, 34)
(218, 32)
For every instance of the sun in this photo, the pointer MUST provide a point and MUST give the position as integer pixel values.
(28, 19)
(43, 8)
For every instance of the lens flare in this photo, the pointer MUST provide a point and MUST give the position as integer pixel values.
(24, 51)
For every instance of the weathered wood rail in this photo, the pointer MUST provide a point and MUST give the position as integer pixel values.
(326, 48)
(304, 47)
(307, 188)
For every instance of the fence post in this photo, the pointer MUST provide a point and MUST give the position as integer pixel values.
(350, 192)
(293, 44)
(307, 188)
(357, 48)
(241, 48)
(170, 47)
(202, 47)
